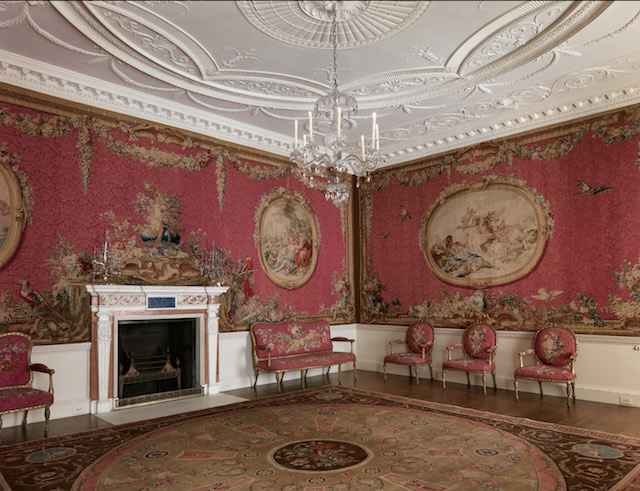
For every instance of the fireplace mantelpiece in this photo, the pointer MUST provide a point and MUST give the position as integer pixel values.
(111, 303)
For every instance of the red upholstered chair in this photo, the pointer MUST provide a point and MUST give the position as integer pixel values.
(555, 350)
(419, 341)
(479, 350)
(16, 379)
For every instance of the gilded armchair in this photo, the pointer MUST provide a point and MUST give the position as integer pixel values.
(419, 342)
(555, 350)
(16, 379)
(479, 349)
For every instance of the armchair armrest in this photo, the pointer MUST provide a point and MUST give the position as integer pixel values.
(523, 353)
(425, 348)
(451, 348)
(342, 338)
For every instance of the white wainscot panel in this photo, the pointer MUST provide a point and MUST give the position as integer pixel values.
(70, 382)
(607, 367)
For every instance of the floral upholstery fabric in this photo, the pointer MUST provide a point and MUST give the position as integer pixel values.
(289, 338)
(313, 360)
(555, 345)
(545, 372)
(15, 351)
(419, 335)
(23, 397)
(469, 365)
(407, 358)
(478, 340)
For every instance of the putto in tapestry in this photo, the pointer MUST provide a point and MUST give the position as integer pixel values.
(487, 232)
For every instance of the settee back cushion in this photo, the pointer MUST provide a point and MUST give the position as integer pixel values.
(555, 345)
(292, 337)
(15, 351)
(478, 339)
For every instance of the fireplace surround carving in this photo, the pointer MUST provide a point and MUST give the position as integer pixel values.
(111, 304)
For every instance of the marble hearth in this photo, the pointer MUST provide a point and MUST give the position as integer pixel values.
(111, 304)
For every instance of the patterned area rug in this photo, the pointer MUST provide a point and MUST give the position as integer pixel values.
(329, 438)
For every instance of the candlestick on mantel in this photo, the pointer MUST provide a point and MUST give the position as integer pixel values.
(295, 137)
(373, 132)
(310, 127)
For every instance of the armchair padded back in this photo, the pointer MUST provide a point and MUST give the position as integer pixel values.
(418, 335)
(555, 345)
(478, 339)
(15, 358)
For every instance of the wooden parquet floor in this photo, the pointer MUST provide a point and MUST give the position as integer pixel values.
(582, 414)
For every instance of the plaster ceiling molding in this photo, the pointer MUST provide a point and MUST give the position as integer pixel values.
(440, 75)
(308, 23)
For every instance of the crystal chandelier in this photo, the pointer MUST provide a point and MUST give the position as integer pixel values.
(332, 116)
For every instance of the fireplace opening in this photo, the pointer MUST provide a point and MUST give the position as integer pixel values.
(157, 360)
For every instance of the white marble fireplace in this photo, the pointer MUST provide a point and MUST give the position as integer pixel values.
(111, 304)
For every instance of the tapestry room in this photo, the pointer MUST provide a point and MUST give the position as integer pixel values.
(117, 212)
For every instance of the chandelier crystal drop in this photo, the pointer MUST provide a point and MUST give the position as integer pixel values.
(323, 152)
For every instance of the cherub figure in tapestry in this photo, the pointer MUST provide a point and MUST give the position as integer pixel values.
(484, 233)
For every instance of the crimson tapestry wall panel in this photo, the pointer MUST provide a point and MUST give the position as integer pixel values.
(585, 184)
(162, 205)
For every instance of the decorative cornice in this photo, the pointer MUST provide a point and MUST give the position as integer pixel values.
(74, 87)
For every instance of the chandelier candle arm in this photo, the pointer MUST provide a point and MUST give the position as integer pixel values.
(333, 115)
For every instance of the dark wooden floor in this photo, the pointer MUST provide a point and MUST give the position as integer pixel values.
(582, 414)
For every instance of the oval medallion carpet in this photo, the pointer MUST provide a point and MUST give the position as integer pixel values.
(329, 438)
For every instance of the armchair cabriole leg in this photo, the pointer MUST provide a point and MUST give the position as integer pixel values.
(355, 372)
(573, 390)
(255, 383)
(484, 383)
(384, 370)
(444, 386)
(431, 370)
(47, 413)
(515, 383)
(417, 375)
(468, 380)
(24, 420)
(339, 374)
(541, 392)
(568, 394)
(495, 385)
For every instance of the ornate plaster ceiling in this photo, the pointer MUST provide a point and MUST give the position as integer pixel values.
(440, 75)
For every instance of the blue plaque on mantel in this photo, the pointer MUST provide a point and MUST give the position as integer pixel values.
(161, 302)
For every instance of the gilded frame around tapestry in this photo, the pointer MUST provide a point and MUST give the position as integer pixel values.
(287, 238)
(484, 233)
(12, 213)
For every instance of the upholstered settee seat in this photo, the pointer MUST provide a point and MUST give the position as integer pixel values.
(469, 365)
(17, 398)
(306, 361)
(545, 372)
(292, 345)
